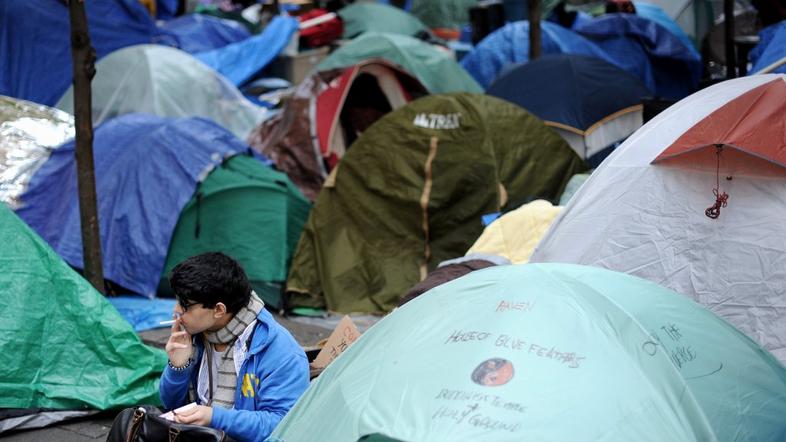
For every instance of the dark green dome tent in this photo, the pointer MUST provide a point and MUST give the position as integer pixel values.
(410, 193)
(64, 346)
(250, 212)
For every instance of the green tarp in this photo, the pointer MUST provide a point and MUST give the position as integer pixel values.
(365, 17)
(62, 344)
(250, 212)
(369, 239)
(443, 13)
(435, 68)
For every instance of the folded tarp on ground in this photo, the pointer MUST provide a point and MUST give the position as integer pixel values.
(146, 170)
(35, 43)
(240, 61)
(62, 345)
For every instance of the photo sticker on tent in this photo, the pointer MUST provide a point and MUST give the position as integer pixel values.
(493, 372)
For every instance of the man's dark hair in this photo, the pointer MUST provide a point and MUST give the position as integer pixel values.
(211, 278)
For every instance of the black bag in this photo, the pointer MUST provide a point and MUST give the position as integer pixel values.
(142, 424)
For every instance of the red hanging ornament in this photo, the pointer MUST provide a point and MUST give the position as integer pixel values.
(721, 199)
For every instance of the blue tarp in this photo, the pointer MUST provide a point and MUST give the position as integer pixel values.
(143, 313)
(510, 44)
(166, 9)
(35, 42)
(647, 50)
(147, 168)
(573, 90)
(199, 33)
(771, 48)
(239, 62)
(655, 13)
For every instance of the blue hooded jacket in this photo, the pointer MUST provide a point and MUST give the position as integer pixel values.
(271, 379)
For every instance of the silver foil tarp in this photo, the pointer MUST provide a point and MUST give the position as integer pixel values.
(29, 132)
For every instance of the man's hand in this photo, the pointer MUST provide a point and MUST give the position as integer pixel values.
(179, 347)
(198, 415)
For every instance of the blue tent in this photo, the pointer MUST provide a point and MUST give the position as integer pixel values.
(510, 44)
(592, 103)
(652, 53)
(198, 33)
(240, 61)
(771, 48)
(35, 42)
(147, 169)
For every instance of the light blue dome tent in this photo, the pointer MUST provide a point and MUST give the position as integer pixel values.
(546, 352)
(166, 82)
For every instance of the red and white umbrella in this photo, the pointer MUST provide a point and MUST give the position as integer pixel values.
(695, 201)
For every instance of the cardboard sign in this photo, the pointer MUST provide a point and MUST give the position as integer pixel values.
(342, 337)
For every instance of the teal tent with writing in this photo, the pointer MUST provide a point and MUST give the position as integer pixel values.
(62, 344)
(547, 352)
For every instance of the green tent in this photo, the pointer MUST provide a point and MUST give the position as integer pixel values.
(435, 68)
(366, 17)
(410, 193)
(64, 346)
(250, 212)
(443, 13)
(547, 352)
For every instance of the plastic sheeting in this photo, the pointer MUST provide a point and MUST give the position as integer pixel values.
(770, 49)
(241, 61)
(166, 82)
(35, 42)
(648, 220)
(146, 170)
(197, 32)
(510, 44)
(28, 134)
(649, 51)
(435, 68)
(546, 353)
(63, 345)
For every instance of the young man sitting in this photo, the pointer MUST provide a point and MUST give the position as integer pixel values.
(227, 353)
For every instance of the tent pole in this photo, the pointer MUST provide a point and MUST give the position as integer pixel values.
(731, 59)
(534, 29)
(83, 58)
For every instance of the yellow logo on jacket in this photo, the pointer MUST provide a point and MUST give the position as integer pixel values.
(250, 383)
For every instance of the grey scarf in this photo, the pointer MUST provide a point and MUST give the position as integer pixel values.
(222, 390)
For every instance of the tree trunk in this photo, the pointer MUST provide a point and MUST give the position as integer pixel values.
(83, 57)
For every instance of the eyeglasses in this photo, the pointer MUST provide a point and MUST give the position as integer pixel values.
(185, 306)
